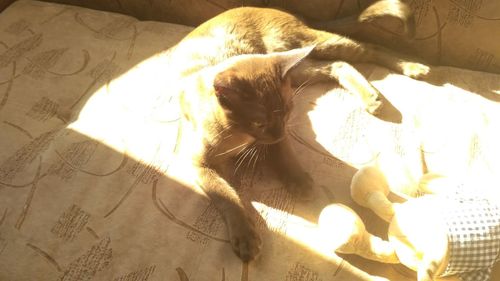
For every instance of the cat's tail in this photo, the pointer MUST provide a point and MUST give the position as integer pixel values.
(383, 8)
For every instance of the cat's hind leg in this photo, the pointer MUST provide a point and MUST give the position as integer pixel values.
(345, 74)
(330, 46)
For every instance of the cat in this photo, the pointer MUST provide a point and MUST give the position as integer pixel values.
(237, 72)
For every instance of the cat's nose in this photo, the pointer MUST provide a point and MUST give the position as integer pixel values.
(276, 133)
(271, 135)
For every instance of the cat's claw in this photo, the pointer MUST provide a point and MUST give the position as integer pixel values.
(245, 240)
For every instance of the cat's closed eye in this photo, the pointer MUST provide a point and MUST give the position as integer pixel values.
(258, 125)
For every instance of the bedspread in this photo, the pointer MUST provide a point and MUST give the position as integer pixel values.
(93, 185)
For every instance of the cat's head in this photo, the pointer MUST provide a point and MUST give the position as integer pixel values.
(255, 93)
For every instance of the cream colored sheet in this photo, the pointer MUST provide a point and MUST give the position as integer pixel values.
(93, 185)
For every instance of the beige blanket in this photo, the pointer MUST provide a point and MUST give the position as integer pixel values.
(93, 185)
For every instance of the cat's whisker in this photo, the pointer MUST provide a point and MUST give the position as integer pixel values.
(250, 155)
(242, 149)
(258, 156)
(250, 159)
(245, 151)
(242, 158)
(296, 124)
(243, 145)
(297, 93)
(237, 166)
(253, 159)
(301, 87)
(223, 131)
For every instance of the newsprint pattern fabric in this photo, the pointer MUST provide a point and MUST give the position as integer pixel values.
(91, 187)
(474, 237)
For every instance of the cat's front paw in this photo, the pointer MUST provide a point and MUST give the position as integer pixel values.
(415, 70)
(245, 239)
(301, 186)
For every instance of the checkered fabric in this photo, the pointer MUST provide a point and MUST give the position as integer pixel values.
(473, 237)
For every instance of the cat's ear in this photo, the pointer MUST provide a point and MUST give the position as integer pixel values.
(289, 59)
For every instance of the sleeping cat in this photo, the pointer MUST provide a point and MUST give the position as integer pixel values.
(237, 71)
